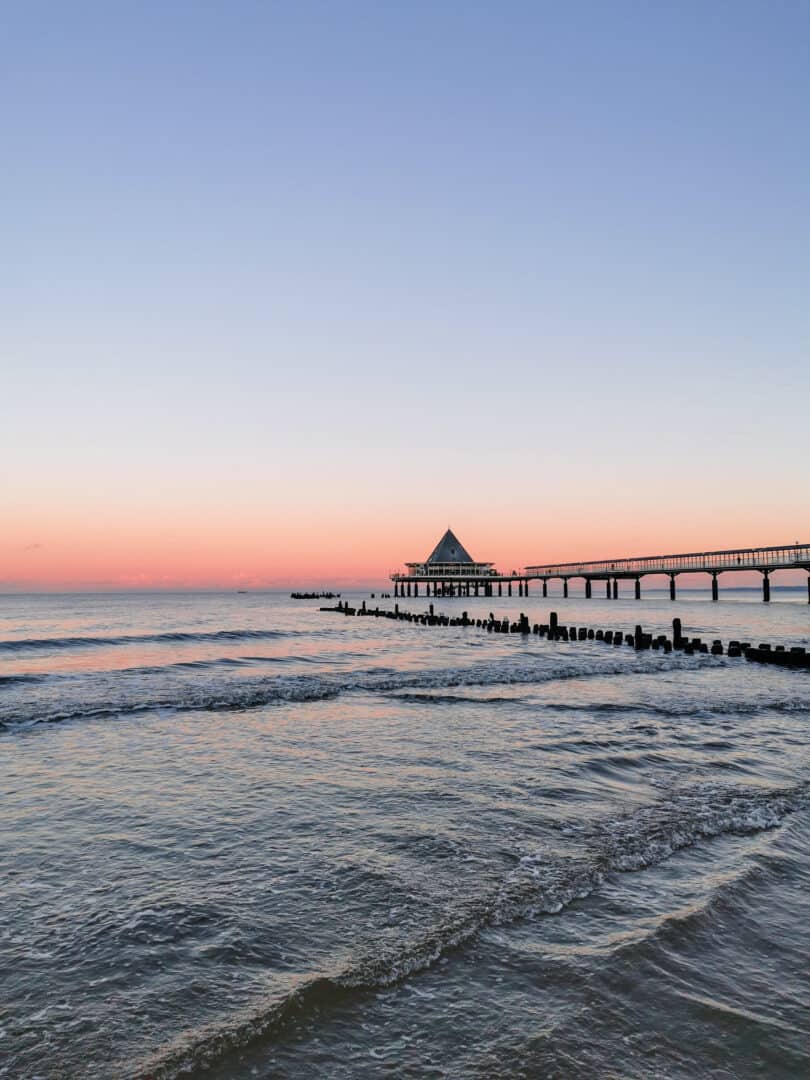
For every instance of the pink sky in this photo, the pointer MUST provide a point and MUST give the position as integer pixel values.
(276, 311)
(180, 548)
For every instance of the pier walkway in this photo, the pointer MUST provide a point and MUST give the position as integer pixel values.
(611, 571)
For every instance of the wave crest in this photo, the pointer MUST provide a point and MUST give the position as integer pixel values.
(537, 886)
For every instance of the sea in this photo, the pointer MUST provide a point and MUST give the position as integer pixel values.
(241, 837)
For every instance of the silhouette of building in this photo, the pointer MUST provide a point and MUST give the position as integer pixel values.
(450, 559)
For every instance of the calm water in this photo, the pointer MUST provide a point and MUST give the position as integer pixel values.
(240, 838)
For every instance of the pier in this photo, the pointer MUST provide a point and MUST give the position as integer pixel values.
(450, 571)
(611, 571)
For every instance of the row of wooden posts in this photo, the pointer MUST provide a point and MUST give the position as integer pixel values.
(487, 587)
(465, 588)
(795, 657)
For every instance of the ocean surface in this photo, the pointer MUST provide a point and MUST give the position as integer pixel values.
(243, 838)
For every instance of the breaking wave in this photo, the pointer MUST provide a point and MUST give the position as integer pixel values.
(254, 692)
(34, 644)
(537, 886)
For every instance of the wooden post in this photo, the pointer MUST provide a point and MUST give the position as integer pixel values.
(509, 588)
(607, 588)
(500, 587)
(766, 586)
(588, 588)
(545, 587)
(416, 588)
(672, 586)
(638, 588)
(615, 588)
(565, 588)
(525, 588)
(715, 591)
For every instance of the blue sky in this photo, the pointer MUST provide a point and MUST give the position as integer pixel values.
(314, 249)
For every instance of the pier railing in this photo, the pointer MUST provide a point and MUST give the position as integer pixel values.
(785, 557)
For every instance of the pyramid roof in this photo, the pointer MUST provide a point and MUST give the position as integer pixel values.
(449, 550)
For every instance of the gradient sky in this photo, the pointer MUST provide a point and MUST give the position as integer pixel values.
(287, 288)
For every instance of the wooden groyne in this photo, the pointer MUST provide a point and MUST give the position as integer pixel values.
(314, 596)
(780, 655)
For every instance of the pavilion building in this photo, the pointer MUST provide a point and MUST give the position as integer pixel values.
(449, 570)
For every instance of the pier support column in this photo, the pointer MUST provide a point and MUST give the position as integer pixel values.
(607, 588)
(715, 590)
(409, 588)
(545, 586)
(615, 588)
(766, 586)
(672, 586)
(476, 588)
(808, 590)
(500, 587)
(525, 588)
(588, 588)
(565, 588)
(638, 588)
(396, 588)
(509, 589)
(416, 588)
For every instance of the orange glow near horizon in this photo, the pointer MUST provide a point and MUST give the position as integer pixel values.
(165, 550)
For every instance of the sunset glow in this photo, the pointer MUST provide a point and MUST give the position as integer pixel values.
(273, 322)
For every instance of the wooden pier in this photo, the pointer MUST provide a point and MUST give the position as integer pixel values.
(442, 577)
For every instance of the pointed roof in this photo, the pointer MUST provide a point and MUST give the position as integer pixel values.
(449, 550)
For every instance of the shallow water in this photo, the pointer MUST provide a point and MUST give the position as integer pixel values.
(244, 838)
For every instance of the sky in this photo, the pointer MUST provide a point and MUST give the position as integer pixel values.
(287, 288)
